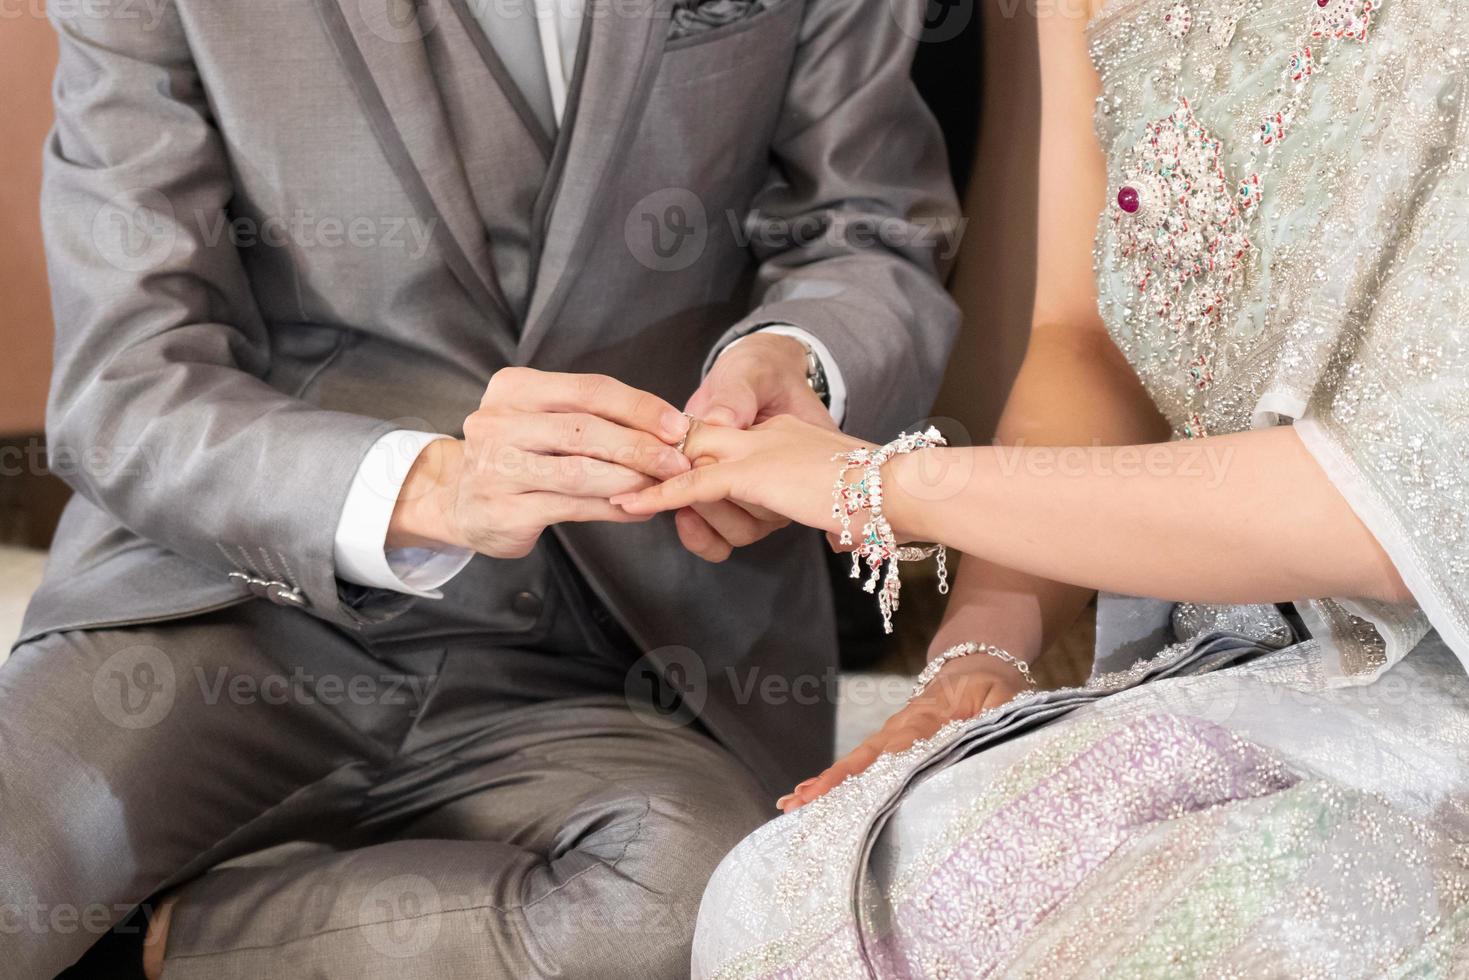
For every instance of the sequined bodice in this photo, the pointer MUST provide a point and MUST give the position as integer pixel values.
(1236, 242)
(1286, 238)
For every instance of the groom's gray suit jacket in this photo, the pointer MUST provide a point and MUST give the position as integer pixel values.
(278, 229)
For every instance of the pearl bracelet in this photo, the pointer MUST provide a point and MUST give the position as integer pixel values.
(879, 546)
(963, 650)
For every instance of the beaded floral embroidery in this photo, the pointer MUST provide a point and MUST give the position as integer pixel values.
(1181, 221)
(1181, 228)
(1348, 19)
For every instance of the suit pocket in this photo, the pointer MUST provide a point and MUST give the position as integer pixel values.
(696, 21)
(767, 35)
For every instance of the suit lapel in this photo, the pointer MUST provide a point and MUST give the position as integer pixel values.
(615, 68)
(496, 66)
(383, 54)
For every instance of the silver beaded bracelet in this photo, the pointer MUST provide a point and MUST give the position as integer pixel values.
(879, 546)
(963, 650)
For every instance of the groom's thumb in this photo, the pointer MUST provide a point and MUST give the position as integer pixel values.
(731, 403)
(723, 415)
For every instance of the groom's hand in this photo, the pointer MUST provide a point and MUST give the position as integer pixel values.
(541, 449)
(762, 376)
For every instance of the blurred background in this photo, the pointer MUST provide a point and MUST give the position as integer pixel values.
(977, 69)
(27, 58)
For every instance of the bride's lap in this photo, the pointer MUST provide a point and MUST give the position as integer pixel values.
(1402, 737)
(1271, 726)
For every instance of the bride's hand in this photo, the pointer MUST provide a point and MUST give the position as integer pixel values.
(782, 465)
(962, 689)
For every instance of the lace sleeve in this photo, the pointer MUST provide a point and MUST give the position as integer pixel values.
(1390, 423)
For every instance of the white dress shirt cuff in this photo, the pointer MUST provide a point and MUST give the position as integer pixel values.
(835, 386)
(359, 548)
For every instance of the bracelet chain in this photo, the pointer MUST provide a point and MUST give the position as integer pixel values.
(964, 650)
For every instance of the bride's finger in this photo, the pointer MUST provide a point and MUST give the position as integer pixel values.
(849, 765)
(739, 524)
(699, 486)
(717, 441)
(898, 734)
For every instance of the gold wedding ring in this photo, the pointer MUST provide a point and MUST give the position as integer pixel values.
(693, 424)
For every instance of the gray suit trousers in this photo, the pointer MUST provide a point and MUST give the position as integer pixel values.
(325, 805)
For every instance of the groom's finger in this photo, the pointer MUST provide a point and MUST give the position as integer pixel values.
(725, 400)
(768, 516)
(585, 434)
(713, 531)
(735, 524)
(715, 442)
(575, 476)
(530, 390)
(699, 538)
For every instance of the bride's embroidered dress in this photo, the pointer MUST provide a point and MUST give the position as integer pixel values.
(1240, 791)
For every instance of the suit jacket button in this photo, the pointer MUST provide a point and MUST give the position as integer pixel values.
(256, 586)
(526, 604)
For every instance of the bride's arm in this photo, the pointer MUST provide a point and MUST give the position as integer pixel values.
(1248, 517)
(1074, 387)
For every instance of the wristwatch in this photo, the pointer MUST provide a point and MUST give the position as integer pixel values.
(815, 373)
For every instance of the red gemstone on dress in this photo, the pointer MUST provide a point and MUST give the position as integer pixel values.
(1322, 3)
(1127, 200)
